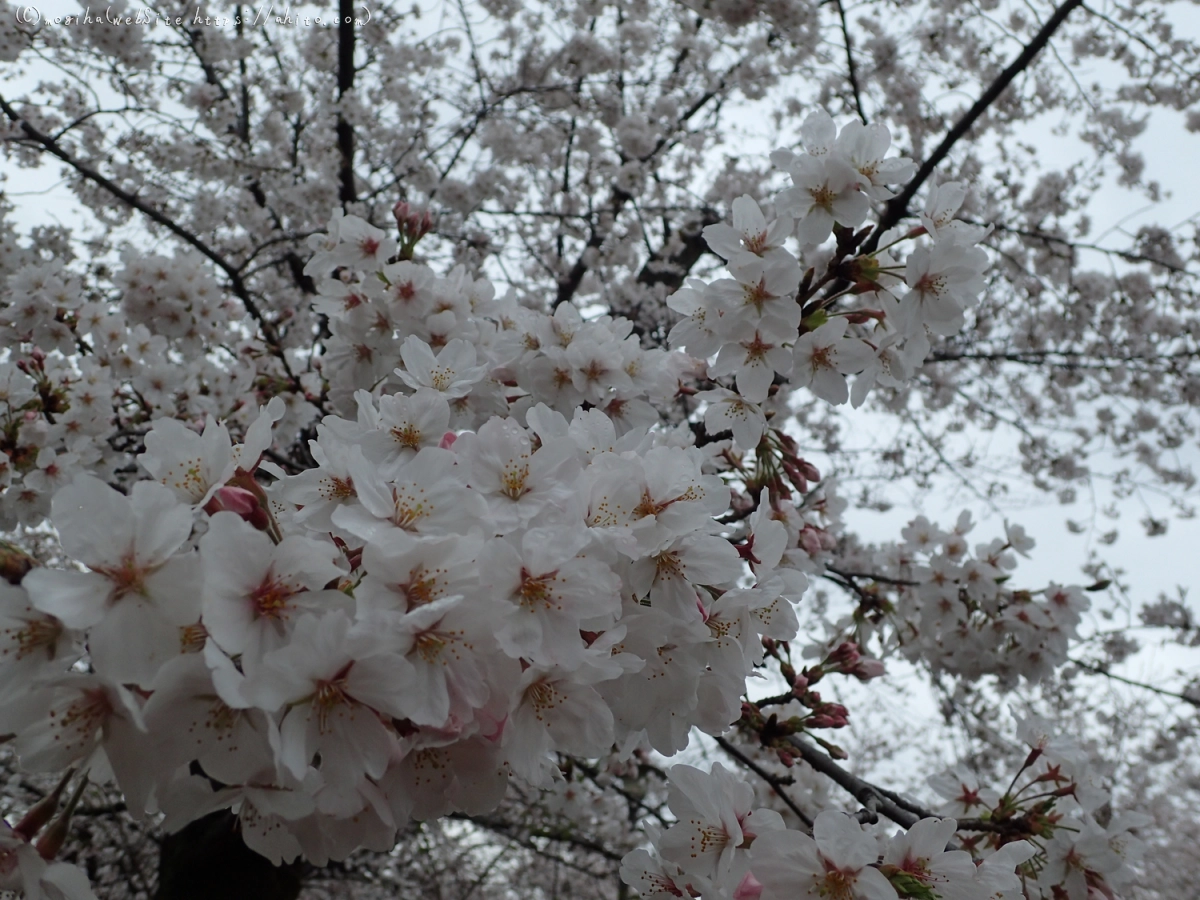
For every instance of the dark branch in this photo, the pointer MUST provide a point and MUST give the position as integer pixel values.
(774, 781)
(852, 70)
(891, 805)
(237, 283)
(671, 269)
(1100, 670)
(345, 134)
(897, 207)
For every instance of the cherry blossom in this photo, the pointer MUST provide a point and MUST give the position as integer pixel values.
(836, 861)
(138, 592)
(824, 356)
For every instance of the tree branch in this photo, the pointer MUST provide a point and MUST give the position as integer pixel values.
(897, 207)
(1100, 670)
(237, 283)
(853, 72)
(891, 805)
(774, 781)
(672, 268)
(345, 134)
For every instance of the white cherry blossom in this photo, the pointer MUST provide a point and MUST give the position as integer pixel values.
(836, 862)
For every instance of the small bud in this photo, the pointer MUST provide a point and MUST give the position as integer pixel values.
(749, 888)
(237, 500)
(15, 563)
(42, 811)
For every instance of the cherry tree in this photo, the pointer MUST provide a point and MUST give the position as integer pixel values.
(429, 413)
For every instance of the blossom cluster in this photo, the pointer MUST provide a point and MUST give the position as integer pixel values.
(957, 610)
(722, 846)
(391, 634)
(84, 376)
(501, 554)
(486, 356)
(768, 330)
(1081, 849)
(1044, 826)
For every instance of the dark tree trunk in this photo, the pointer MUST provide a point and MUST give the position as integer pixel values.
(208, 861)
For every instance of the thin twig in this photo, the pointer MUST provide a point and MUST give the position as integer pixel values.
(897, 207)
(1099, 670)
(774, 781)
(853, 72)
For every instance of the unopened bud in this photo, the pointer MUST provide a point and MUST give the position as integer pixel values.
(866, 669)
(42, 811)
(15, 563)
(401, 211)
(54, 837)
(237, 500)
(810, 540)
(846, 654)
(749, 888)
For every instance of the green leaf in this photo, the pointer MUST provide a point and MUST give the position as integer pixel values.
(908, 885)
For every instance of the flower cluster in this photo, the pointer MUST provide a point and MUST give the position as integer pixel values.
(393, 633)
(769, 329)
(956, 610)
(486, 356)
(501, 554)
(720, 846)
(1055, 800)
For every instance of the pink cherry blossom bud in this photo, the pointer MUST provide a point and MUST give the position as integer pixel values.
(238, 500)
(749, 888)
(54, 837)
(810, 540)
(401, 212)
(42, 811)
(800, 685)
(866, 669)
(447, 440)
(846, 654)
(795, 476)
